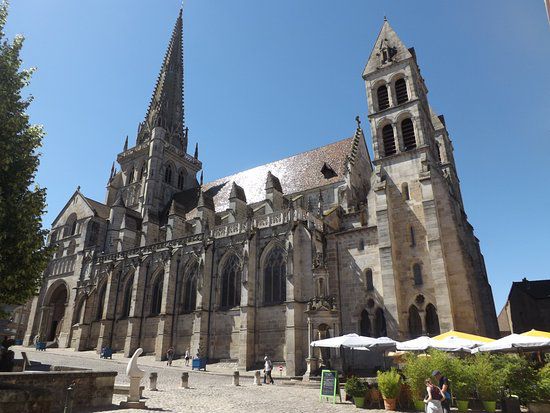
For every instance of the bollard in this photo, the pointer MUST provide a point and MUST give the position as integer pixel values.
(257, 378)
(69, 398)
(185, 380)
(235, 378)
(153, 381)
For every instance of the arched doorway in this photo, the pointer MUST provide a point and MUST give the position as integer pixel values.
(432, 321)
(57, 302)
(415, 322)
(365, 324)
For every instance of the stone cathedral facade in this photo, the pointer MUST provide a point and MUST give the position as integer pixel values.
(323, 243)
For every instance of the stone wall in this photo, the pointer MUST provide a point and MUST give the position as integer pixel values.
(46, 392)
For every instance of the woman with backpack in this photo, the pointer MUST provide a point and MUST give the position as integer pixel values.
(434, 398)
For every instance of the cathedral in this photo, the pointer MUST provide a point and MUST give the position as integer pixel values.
(330, 241)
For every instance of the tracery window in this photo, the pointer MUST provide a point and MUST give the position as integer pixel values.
(415, 323)
(275, 277)
(365, 324)
(388, 140)
(156, 299)
(380, 329)
(168, 174)
(189, 302)
(127, 303)
(231, 280)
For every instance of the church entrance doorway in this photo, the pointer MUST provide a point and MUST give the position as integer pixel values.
(57, 303)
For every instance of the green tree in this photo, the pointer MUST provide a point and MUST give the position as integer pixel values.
(23, 254)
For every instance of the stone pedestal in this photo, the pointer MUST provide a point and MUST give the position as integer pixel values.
(312, 367)
(132, 401)
(185, 380)
(257, 378)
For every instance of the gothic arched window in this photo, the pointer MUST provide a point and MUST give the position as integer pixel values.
(368, 279)
(168, 174)
(231, 280)
(181, 180)
(407, 129)
(101, 302)
(71, 248)
(70, 226)
(380, 329)
(388, 140)
(417, 274)
(415, 323)
(275, 277)
(383, 98)
(131, 176)
(156, 298)
(142, 172)
(365, 324)
(189, 302)
(127, 303)
(401, 91)
(432, 321)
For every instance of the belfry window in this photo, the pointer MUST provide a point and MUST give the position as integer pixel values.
(388, 140)
(401, 91)
(275, 277)
(383, 98)
(156, 299)
(231, 281)
(168, 174)
(407, 129)
(417, 274)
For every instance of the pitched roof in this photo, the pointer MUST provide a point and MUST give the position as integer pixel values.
(100, 209)
(539, 289)
(297, 173)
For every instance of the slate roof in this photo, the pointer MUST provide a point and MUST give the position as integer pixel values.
(297, 173)
(100, 209)
(539, 289)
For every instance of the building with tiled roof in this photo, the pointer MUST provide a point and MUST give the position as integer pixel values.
(322, 243)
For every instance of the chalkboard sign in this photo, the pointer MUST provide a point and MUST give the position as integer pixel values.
(329, 384)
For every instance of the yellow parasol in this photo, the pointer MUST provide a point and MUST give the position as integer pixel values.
(536, 333)
(465, 336)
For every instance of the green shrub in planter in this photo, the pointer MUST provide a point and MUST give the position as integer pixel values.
(461, 376)
(543, 393)
(416, 371)
(519, 376)
(356, 389)
(389, 383)
(488, 379)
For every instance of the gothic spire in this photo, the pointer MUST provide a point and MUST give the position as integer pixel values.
(166, 106)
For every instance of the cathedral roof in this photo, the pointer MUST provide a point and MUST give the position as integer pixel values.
(296, 173)
(100, 209)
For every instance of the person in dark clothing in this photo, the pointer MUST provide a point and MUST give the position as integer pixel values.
(444, 385)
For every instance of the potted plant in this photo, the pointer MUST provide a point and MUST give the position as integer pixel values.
(488, 381)
(541, 402)
(356, 389)
(461, 378)
(389, 383)
(416, 370)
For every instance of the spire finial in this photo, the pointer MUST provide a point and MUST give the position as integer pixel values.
(385, 19)
(196, 156)
(358, 120)
(126, 144)
(202, 178)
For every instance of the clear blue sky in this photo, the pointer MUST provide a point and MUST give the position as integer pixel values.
(267, 79)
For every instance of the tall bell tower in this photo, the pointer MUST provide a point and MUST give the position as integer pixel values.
(429, 256)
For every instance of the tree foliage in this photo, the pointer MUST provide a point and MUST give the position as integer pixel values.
(23, 254)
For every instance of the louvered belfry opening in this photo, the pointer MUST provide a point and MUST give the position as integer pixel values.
(388, 140)
(383, 98)
(407, 129)
(401, 91)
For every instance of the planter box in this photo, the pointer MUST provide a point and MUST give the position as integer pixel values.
(538, 407)
(199, 364)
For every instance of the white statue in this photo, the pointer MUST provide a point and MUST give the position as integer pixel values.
(132, 370)
(135, 374)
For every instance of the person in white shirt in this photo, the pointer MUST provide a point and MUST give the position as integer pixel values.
(268, 366)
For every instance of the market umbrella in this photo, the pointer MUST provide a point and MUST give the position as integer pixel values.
(536, 333)
(347, 340)
(516, 342)
(424, 343)
(466, 336)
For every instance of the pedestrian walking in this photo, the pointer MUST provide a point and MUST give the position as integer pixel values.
(444, 385)
(268, 366)
(170, 356)
(187, 357)
(434, 398)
